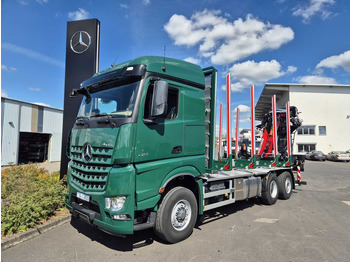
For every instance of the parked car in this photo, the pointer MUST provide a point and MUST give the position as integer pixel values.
(316, 155)
(338, 156)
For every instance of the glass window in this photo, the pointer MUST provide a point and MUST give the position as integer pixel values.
(306, 130)
(116, 101)
(173, 103)
(306, 147)
(322, 130)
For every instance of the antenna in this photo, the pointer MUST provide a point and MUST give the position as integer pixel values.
(112, 65)
(163, 68)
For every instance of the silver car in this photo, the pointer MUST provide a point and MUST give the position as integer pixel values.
(338, 156)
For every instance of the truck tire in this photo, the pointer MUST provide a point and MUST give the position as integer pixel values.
(285, 185)
(270, 196)
(177, 215)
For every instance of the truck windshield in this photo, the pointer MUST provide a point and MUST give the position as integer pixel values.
(115, 101)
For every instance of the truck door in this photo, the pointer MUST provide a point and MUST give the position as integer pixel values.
(159, 144)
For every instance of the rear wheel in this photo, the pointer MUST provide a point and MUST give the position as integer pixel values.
(269, 197)
(285, 185)
(176, 215)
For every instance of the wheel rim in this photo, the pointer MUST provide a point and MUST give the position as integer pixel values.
(273, 189)
(288, 185)
(181, 215)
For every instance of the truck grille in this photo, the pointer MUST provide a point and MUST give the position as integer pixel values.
(91, 176)
(100, 155)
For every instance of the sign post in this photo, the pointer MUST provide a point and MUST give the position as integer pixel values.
(82, 61)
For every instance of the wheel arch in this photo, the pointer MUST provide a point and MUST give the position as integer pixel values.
(187, 177)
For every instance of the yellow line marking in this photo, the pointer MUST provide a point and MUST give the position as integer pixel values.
(346, 202)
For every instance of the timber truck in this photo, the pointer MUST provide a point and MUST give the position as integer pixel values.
(142, 152)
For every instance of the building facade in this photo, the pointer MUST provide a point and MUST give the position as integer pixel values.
(325, 111)
(29, 132)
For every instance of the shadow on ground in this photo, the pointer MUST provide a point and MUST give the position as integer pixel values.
(147, 237)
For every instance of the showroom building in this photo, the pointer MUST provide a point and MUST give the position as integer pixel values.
(325, 111)
(29, 132)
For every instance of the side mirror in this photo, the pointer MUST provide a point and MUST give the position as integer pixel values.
(74, 93)
(160, 98)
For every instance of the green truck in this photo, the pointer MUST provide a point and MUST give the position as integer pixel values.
(142, 151)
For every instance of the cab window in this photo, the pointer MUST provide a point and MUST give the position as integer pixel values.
(173, 103)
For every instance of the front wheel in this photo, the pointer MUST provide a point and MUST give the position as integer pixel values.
(177, 215)
(270, 195)
(285, 185)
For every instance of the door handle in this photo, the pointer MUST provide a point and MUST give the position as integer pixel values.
(176, 150)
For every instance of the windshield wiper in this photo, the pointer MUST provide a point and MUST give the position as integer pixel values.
(82, 121)
(107, 120)
(98, 115)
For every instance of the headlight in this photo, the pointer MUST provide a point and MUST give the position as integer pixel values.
(115, 203)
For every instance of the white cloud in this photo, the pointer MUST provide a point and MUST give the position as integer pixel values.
(314, 7)
(193, 60)
(316, 79)
(4, 93)
(292, 69)
(146, 2)
(125, 6)
(42, 1)
(6, 68)
(242, 109)
(34, 89)
(223, 41)
(342, 60)
(24, 2)
(32, 54)
(80, 14)
(255, 73)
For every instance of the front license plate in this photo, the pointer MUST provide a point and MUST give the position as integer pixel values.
(82, 196)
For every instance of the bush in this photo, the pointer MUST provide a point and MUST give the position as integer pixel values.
(29, 194)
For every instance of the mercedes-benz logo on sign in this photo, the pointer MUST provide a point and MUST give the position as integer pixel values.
(87, 153)
(80, 42)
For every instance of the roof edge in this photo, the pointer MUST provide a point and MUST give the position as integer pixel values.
(298, 84)
(30, 103)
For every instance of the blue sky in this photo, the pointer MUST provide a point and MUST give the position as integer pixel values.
(277, 41)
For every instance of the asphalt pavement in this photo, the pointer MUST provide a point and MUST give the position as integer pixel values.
(313, 225)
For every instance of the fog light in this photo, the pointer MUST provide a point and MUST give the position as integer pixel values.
(123, 217)
(115, 203)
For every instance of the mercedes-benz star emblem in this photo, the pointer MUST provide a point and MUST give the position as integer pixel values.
(87, 153)
(80, 42)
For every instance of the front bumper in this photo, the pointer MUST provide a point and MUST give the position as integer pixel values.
(121, 181)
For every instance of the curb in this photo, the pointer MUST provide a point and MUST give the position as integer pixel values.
(24, 236)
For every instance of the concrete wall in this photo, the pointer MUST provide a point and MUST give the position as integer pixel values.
(281, 101)
(323, 106)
